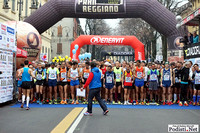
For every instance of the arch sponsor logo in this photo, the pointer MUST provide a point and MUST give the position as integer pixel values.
(100, 6)
(109, 40)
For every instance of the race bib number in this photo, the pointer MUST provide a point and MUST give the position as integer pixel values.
(63, 75)
(109, 79)
(53, 76)
(128, 79)
(176, 80)
(139, 74)
(118, 76)
(166, 77)
(74, 74)
(86, 75)
(153, 77)
(39, 76)
(197, 79)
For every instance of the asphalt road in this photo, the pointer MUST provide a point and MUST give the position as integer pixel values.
(36, 120)
(136, 120)
(121, 119)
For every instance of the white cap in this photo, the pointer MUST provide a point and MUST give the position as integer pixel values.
(107, 63)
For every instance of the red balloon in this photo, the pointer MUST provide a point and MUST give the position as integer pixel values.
(45, 56)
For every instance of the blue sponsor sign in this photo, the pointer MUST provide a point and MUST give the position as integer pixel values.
(10, 30)
(0, 37)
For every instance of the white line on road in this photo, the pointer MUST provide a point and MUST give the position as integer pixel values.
(76, 122)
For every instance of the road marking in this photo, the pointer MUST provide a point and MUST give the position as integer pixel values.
(67, 121)
(75, 124)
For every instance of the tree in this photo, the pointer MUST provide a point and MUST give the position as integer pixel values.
(96, 27)
(146, 33)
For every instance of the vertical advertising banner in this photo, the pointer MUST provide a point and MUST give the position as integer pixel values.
(7, 47)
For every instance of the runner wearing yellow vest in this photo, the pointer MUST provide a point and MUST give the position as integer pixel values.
(118, 72)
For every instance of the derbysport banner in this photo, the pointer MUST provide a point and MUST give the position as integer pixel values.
(100, 6)
(192, 51)
(7, 47)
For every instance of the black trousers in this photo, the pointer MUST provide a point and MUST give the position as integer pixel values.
(184, 92)
(95, 93)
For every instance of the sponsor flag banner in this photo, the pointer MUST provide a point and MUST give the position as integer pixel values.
(7, 47)
(192, 51)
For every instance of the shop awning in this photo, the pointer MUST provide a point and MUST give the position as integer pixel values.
(21, 53)
(192, 19)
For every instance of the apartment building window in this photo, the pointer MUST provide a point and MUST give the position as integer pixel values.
(42, 49)
(60, 31)
(48, 54)
(46, 50)
(13, 5)
(59, 48)
(26, 11)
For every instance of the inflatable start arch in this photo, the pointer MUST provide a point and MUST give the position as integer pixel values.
(109, 40)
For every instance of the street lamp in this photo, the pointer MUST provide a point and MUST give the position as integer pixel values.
(33, 6)
(6, 6)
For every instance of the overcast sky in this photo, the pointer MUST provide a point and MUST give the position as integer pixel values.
(114, 23)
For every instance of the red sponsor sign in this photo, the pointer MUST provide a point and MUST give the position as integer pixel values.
(3, 27)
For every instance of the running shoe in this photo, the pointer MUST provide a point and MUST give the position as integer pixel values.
(113, 102)
(169, 103)
(19, 101)
(134, 103)
(22, 106)
(119, 102)
(125, 103)
(186, 104)
(47, 101)
(43, 101)
(178, 101)
(194, 104)
(72, 102)
(34, 100)
(27, 108)
(106, 112)
(157, 104)
(55, 102)
(65, 102)
(87, 114)
(190, 103)
(50, 102)
(180, 104)
(38, 101)
(129, 103)
(198, 103)
(148, 104)
(174, 102)
(77, 102)
(142, 103)
(62, 102)
(163, 103)
(137, 102)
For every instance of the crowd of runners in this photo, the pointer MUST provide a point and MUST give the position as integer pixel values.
(128, 83)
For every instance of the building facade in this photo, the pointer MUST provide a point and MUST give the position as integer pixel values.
(188, 9)
(18, 10)
(63, 34)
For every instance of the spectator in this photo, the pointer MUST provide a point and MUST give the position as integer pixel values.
(195, 37)
(190, 38)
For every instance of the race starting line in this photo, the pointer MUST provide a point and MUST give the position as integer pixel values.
(34, 105)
